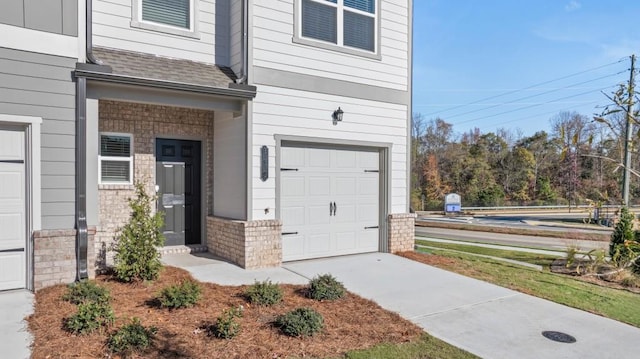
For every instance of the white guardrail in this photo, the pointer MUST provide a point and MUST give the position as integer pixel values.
(563, 207)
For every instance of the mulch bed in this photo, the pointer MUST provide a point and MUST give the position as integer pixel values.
(350, 323)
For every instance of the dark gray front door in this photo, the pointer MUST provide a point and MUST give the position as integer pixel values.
(178, 180)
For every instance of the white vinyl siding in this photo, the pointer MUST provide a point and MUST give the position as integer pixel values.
(300, 113)
(112, 27)
(273, 48)
(115, 162)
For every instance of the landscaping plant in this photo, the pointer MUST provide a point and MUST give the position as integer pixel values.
(132, 337)
(300, 322)
(264, 293)
(622, 233)
(136, 247)
(89, 317)
(86, 291)
(182, 295)
(325, 287)
(226, 326)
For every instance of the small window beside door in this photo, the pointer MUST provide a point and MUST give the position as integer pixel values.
(115, 161)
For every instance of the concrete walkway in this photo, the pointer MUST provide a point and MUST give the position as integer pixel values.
(15, 339)
(484, 319)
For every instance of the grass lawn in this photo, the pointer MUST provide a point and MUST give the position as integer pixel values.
(543, 260)
(612, 303)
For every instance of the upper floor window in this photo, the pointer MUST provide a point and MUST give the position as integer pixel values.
(170, 16)
(344, 23)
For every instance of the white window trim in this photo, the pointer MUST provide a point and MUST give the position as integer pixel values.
(193, 32)
(299, 39)
(115, 158)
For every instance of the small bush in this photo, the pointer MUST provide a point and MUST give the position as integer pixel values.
(264, 293)
(131, 337)
(136, 247)
(301, 322)
(226, 326)
(86, 291)
(182, 295)
(89, 317)
(325, 287)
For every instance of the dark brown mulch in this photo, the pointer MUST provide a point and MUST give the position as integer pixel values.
(350, 323)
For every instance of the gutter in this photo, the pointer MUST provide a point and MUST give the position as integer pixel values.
(234, 90)
(245, 43)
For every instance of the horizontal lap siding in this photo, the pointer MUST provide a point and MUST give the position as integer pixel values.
(273, 26)
(299, 113)
(40, 85)
(112, 28)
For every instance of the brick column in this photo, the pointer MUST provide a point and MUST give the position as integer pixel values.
(249, 244)
(54, 257)
(401, 234)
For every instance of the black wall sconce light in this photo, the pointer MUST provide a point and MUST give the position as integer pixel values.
(337, 115)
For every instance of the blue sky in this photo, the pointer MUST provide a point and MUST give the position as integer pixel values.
(515, 64)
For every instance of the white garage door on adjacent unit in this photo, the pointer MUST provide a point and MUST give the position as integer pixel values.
(12, 210)
(329, 202)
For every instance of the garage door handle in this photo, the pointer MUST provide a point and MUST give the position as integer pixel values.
(332, 209)
(335, 208)
(371, 227)
(12, 250)
(288, 233)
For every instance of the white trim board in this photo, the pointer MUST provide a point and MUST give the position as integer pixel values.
(19, 38)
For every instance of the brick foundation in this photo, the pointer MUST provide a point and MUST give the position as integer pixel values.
(401, 232)
(249, 244)
(54, 257)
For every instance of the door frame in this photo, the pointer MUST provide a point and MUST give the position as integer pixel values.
(384, 151)
(203, 176)
(33, 203)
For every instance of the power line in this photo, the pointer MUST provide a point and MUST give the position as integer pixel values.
(532, 96)
(526, 88)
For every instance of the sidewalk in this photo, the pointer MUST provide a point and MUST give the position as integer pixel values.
(15, 305)
(484, 319)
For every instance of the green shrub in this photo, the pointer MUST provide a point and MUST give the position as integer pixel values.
(183, 295)
(325, 287)
(136, 254)
(622, 233)
(226, 326)
(300, 322)
(86, 291)
(131, 337)
(89, 317)
(264, 293)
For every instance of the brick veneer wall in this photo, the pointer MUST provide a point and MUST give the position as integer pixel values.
(250, 244)
(146, 122)
(54, 257)
(401, 232)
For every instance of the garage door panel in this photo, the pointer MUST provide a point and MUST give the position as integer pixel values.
(345, 213)
(319, 186)
(11, 181)
(295, 216)
(11, 145)
(368, 160)
(368, 185)
(294, 185)
(318, 214)
(319, 158)
(346, 241)
(12, 270)
(368, 214)
(368, 239)
(346, 159)
(318, 243)
(12, 229)
(346, 186)
(292, 157)
(293, 246)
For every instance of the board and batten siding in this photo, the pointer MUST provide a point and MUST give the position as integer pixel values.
(40, 85)
(112, 28)
(273, 48)
(58, 17)
(300, 113)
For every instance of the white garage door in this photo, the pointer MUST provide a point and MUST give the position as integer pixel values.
(329, 202)
(12, 210)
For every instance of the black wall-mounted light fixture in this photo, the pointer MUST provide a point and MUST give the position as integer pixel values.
(337, 115)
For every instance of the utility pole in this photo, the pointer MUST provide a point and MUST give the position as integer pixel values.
(629, 130)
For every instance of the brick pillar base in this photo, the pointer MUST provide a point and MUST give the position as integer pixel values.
(401, 232)
(249, 244)
(54, 257)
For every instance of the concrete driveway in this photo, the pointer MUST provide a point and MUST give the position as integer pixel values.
(484, 319)
(14, 337)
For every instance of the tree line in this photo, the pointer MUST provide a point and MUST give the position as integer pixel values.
(579, 161)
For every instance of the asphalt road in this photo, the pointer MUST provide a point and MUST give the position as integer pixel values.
(509, 239)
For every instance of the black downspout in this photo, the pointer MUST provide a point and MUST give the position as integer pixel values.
(245, 43)
(81, 179)
(89, 34)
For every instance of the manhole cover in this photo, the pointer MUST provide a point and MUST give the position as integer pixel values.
(559, 337)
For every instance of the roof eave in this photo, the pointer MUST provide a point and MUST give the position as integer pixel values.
(237, 91)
